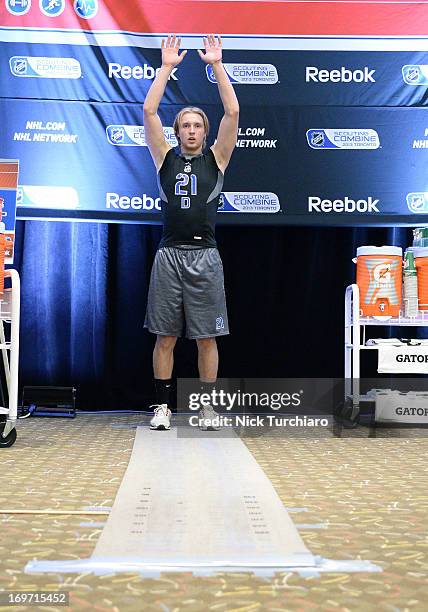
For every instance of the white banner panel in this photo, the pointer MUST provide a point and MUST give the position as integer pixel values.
(403, 360)
(393, 406)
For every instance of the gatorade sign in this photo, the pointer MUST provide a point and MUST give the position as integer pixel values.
(393, 406)
(403, 359)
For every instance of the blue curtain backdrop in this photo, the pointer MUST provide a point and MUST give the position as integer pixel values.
(84, 291)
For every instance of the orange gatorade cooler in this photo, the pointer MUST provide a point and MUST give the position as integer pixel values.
(380, 280)
(421, 262)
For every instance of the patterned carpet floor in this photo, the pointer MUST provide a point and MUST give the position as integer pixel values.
(368, 496)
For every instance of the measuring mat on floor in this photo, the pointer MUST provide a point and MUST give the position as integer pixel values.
(198, 502)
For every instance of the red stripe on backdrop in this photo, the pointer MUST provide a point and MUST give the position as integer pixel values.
(280, 18)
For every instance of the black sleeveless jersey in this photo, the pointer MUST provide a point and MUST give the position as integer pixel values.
(189, 189)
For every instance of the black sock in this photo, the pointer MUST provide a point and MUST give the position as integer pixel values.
(163, 391)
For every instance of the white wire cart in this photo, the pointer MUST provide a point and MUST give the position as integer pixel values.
(9, 345)
(355, 342)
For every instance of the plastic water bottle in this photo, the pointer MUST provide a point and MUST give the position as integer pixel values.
(410, 286)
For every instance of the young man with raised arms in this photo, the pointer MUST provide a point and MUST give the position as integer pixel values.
(187, 285)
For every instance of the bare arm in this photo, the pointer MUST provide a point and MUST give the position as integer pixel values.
(228, 129)
(153, 129)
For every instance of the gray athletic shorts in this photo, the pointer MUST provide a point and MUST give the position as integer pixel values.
(186, 294)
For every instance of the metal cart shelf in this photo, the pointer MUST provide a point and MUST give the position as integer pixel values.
(9, 314)
(355, 340)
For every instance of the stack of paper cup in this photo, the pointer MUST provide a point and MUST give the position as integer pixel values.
(421, 263)
(420, 237)
(2, 246)
(410, 286)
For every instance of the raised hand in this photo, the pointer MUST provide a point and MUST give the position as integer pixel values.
(212, 49)
(170, 48)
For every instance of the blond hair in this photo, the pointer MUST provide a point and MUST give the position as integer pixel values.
(191, 109)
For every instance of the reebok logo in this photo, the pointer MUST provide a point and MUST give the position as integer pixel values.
(339, 75)
(347, 205)
(119, 71)
(114, 200)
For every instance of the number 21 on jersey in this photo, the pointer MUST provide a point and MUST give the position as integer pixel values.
(181, 188)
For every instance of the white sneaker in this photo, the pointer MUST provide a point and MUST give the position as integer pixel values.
(209, 419)
(161, 418)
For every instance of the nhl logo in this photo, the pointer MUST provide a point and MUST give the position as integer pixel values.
(412, 74)
(117, 135)
(317, 139)
(416, 202)
(19, 66)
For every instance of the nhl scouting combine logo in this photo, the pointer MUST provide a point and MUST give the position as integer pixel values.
(18, 7)
(134, 136)
(86, 8)
(45, 67)
(342, 139)
(250, 74)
